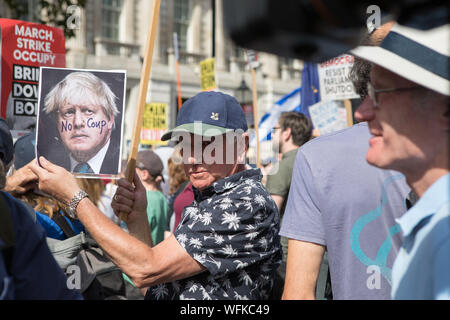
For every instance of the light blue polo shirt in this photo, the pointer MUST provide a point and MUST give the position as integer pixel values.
(422, 267)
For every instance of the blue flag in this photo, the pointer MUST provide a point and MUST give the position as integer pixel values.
(289, 102)
(310, 88)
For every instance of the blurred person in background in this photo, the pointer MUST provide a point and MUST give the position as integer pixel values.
(48, 211)
(100, 196)
(181, 193)
(293, 129)
(28, 270)
(149, 168)
(164, 153)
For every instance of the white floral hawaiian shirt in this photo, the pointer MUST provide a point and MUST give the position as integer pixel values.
(231, 228)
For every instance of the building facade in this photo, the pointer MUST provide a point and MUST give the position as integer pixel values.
(111, 34)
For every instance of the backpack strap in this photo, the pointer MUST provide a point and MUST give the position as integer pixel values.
(6, 233)
(61, 221)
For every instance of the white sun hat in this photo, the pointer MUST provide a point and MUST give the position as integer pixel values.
(421, 56)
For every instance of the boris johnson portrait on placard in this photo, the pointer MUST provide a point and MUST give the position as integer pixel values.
(80, 119)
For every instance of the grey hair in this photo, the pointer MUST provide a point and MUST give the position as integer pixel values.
(78, 86)
(360, 72)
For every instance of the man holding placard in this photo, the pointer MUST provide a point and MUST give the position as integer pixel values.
(227, 245)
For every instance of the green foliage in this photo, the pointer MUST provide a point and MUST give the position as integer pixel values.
(56, 12)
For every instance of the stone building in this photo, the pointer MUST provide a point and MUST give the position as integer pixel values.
(111, 34)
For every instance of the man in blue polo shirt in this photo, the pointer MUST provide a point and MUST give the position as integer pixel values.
(409, 119)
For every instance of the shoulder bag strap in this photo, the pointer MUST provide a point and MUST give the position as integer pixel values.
(61, 221)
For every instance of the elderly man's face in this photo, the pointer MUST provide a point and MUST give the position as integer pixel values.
(84, 129)
(207, 161)
(402, 128)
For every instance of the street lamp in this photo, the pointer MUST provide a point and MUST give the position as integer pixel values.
(244, 96)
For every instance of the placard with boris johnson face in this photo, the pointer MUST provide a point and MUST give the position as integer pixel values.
(80, 120)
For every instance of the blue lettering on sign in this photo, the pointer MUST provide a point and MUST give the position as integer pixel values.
(67, 126)
(96, 124)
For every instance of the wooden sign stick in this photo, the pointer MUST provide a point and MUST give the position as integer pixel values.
(348, 109)
(145, 76)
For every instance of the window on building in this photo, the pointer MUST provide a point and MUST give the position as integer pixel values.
(290, 68)
(110, 18)
(240, 55)
(181, 22)
(26, 10)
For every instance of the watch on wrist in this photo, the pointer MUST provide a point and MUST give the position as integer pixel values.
(73, 204)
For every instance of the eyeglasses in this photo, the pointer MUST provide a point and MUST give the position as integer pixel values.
(276, 128)
(372, 92)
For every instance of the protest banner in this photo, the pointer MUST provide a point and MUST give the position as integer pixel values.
(252, 59)
(80, 120)
(334, 81)
(208, 74)
(154, 124)
(145, 77)
(329, 116)
(25, 47)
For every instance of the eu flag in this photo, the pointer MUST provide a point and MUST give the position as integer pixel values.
(310, 88)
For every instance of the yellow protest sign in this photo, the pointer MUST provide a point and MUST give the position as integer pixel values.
(154, 124)
(208, 74)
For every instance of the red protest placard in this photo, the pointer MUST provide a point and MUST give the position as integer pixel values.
(25, 47)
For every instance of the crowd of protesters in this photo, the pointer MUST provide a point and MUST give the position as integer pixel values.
(364, 211)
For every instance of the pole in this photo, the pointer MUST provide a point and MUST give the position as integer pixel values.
(255, 117)
(177, 67)
(145, 75)
(349, 111)
(213, 7)
(180, 101)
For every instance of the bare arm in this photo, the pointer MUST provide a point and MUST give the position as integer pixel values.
(302, 270)
(278, 200)
(145, 266)
(132, 253)
(21, 181)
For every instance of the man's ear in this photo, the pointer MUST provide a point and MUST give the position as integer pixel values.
(158, 179)
(247, 141)
(243, 143)
(444, 119)
(286, 134)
